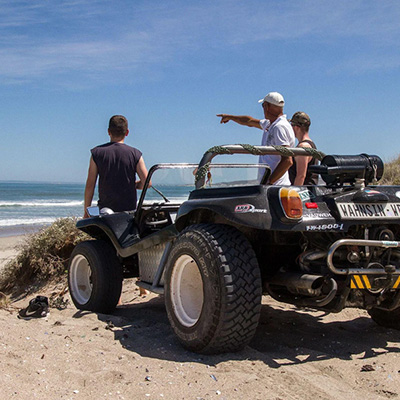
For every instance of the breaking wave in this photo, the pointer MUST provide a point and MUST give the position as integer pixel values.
(26, 221)
(75, 203)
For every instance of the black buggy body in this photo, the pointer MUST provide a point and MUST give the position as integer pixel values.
(214, 255)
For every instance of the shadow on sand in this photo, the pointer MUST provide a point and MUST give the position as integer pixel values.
(285, 335)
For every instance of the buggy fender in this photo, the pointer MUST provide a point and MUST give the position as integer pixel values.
(119, 228)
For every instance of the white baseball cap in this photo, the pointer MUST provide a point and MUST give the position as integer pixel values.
(274, 98)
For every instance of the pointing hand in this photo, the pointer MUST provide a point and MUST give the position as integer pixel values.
(224, 118)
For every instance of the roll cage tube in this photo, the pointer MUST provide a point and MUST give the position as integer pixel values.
(250, 149)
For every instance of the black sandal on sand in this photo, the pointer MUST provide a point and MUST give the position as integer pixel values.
(38, 308)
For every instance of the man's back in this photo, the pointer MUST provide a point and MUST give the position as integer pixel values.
(116, 164)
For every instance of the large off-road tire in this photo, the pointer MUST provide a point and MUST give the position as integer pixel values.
(213, 289)
(95, 276)
(387, 319)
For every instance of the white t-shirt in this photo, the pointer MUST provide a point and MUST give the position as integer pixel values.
(279, 133)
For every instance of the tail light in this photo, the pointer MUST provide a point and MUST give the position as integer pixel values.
(291, 203)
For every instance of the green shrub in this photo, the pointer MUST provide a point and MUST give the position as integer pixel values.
(42, 257)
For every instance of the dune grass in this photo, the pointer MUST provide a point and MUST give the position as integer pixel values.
(43, 257)
(391, 174)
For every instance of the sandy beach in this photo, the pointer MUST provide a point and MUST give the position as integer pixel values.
(133, 354)
(9, 248)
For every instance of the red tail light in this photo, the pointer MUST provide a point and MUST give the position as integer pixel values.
(291, 203)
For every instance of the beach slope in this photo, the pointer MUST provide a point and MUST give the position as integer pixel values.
(9, 248)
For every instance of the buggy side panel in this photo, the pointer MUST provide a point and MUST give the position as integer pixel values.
(246, 206)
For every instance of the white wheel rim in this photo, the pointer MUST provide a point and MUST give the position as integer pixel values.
(186, 291)
(80, 279)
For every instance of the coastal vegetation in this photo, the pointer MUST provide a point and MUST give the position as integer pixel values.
(391, 174)
(42, 257)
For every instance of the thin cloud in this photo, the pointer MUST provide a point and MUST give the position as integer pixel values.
(93, 36)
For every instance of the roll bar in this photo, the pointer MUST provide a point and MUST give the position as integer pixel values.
(250, 149)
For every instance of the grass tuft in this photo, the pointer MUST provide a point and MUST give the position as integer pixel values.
(43, 257)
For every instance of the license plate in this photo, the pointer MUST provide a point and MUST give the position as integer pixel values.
(369, 210)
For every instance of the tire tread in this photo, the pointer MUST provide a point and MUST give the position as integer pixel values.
(106, 293)
(240, 282)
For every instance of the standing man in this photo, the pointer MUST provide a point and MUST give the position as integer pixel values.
(116, 164)
(298, 172)
(276, 132)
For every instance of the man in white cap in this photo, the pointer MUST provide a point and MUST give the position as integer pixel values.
(277, 131)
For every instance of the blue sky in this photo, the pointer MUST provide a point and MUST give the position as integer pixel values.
(171, 66)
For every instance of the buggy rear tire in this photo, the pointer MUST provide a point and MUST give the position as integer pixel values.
(213, 289)
(95, 277)
(387, 319)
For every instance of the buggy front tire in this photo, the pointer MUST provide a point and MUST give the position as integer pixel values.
(95, 277)
(213, 289)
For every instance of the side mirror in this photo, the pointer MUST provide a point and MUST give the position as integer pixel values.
(93, 211)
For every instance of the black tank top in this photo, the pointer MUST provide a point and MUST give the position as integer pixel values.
(310, 179)
(116, 163)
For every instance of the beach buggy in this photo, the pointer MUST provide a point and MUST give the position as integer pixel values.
(214, 255)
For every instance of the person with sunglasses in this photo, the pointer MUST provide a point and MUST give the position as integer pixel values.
(298, 172)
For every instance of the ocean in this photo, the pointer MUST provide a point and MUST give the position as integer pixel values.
(25, 206)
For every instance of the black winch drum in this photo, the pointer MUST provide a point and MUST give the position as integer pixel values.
(347, 168)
